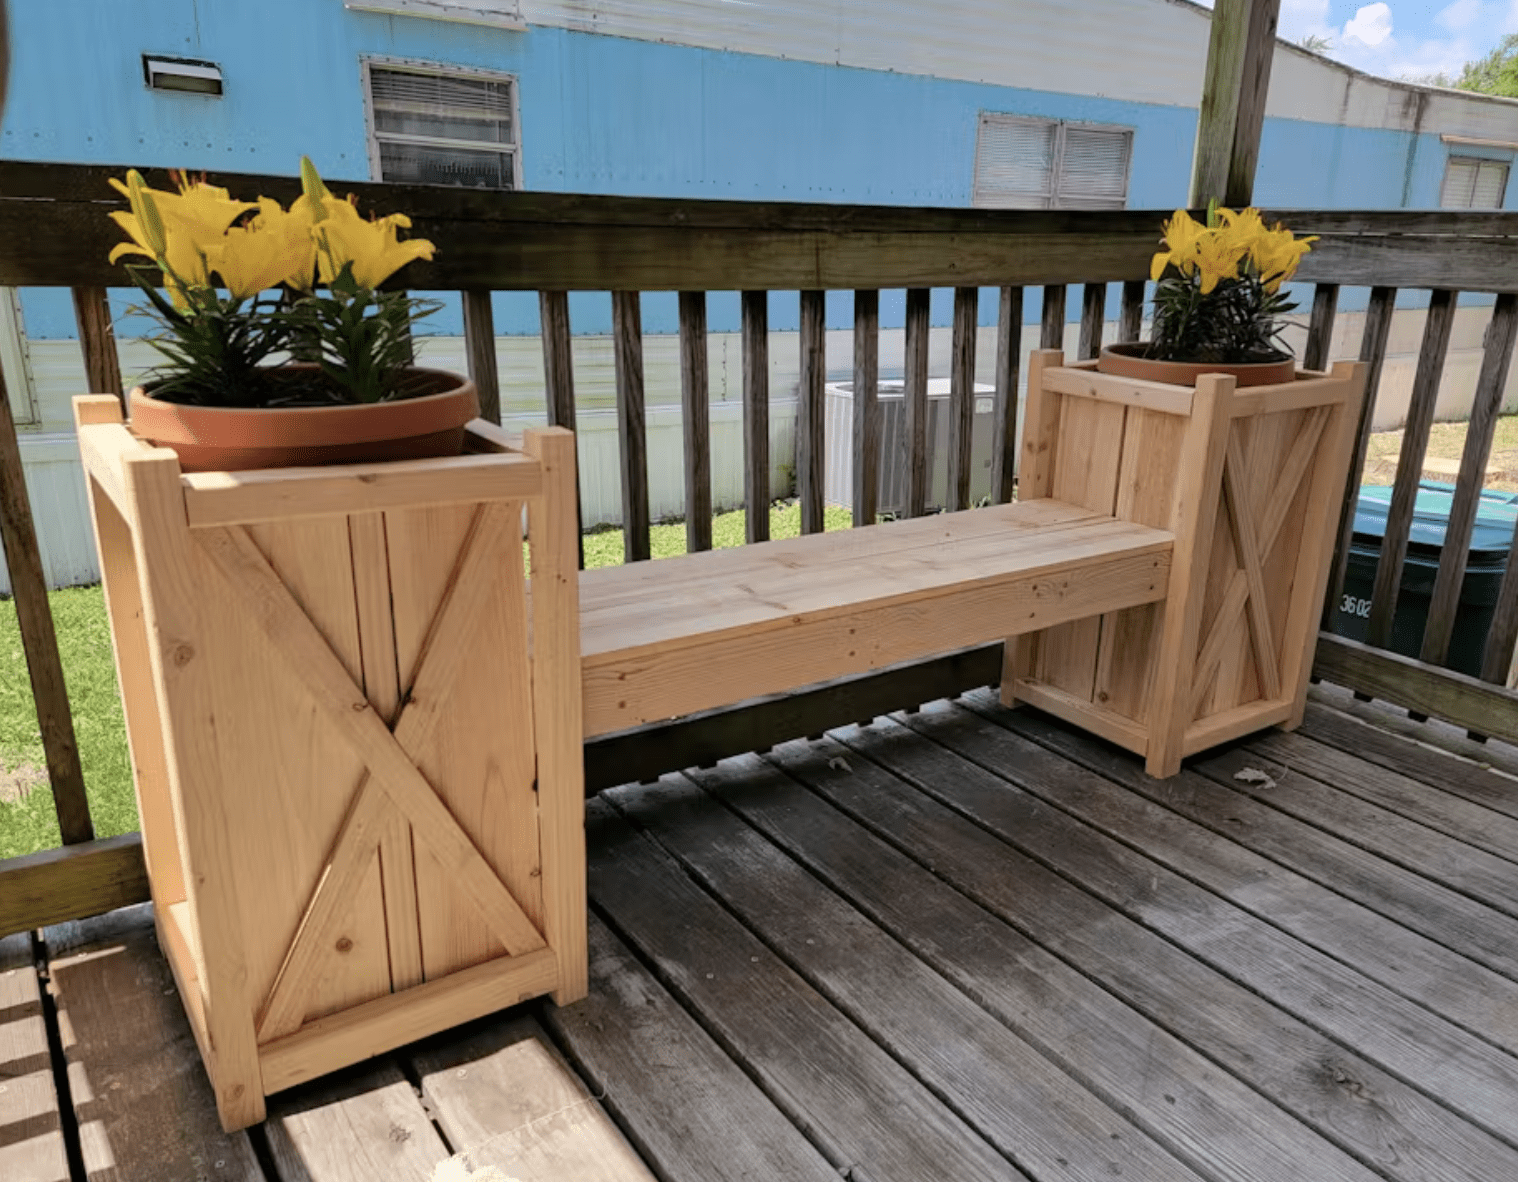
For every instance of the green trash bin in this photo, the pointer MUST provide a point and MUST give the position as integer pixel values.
(1491, 538)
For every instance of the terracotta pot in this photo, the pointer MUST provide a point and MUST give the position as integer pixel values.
(219, 438)
(1126, 361)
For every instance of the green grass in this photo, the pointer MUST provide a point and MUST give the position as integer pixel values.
(84, 641)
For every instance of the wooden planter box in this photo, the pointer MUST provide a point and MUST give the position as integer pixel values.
(1250, 482)
(357, 743)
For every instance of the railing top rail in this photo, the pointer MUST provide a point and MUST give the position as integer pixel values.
(52, 221)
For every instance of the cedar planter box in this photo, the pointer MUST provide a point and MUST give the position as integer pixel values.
(356, 740)
(1250, 482)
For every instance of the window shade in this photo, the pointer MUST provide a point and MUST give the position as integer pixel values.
(425, 126)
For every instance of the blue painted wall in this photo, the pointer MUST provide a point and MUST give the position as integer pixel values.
(602, 115)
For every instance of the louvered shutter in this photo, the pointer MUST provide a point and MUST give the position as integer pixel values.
(1491, 183)
(1014, 162)
(1093, 168)
(1473, 183)
(1459, 183)
(443, 129)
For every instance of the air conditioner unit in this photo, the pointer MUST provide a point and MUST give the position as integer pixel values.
(838, 471)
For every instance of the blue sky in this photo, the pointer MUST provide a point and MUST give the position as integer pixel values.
(1402, 38)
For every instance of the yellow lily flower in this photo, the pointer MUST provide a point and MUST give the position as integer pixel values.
(1218, 257)
(175, 230)
(1277, 256)
(371, 246)
(276, 248)
(1181, 236)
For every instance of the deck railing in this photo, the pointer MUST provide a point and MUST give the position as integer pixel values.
(52, 220)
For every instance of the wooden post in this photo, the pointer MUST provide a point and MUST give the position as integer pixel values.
(39, 641)
(479, 344)
(1232, 109)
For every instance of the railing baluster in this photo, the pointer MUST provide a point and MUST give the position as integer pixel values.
(632, 425)
(39, 640)
(559, 378)
(919, 326)
(1130, 317)
(479, 347)
(962, 395)
(866, 406)
(1378, 322)
(1009, 339)
(1490, 385)
(810, 444)
(1320, 329)
(697, 415)
(1420, 417)
(1053, 334)
(756, 415)
(1093, 313)
(97, 339)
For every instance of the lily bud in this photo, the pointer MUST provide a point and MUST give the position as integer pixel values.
(146, 210)
(316, 192)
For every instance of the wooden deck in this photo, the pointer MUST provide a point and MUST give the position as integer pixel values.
(961, 944)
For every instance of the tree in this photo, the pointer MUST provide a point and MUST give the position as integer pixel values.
(1496, 73)
(1314, 43)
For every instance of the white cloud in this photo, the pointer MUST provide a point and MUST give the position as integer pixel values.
(1371, 25)
(1462, 14)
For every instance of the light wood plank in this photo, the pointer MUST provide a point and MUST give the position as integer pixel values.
(1087, 383)
(811, 447)
(145, 1108)
(103, 443)
(1009, 329)
(356, 1129)
(1025, 1106)
(31, 1131)
(756, 415)
(696, 420)
(281, 494)
(866, 441)
(506, 1099)
(632, 423)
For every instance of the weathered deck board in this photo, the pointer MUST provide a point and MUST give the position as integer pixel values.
(505, 1098)
(1023, 1104)
(144, 1105)
(1349, 1100)
(705, 1121)
(862, 1106)
(31, 1136)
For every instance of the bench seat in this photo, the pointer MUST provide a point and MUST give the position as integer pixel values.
(674, 636)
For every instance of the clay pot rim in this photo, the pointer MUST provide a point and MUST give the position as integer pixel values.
(1129, 362)
(281, 426)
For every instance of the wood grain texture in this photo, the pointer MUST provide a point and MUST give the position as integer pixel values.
(144, 1106)
(962, 395)
(868, 1111)
(866, 442)
(368, 1126)
(1052, 332)
(1232, 113)
(1093, 314)
(1027, 1107)
(811, 447)
(706, 1121)
(1320, 327)
(1385, 1030)
(39, 639)
(915, 394)
(632, 423)
(756, 415)
(1373, 342)
(1415, 434)
(558, 358)
(72, 882)
(1009, 329)
(31, 1146)
(479, 348)
(1151, 1074)
(1130, 316)
(97, 341)
(505, 1098)
(696, 421)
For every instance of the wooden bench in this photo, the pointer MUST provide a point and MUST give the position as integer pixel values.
(1125, 607)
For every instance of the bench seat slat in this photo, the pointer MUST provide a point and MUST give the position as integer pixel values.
(721, 627)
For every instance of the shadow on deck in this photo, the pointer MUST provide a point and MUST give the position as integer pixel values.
(959, 944)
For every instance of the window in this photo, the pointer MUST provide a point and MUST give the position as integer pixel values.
(1471, 182)
(443, 127)
(1023, 163)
